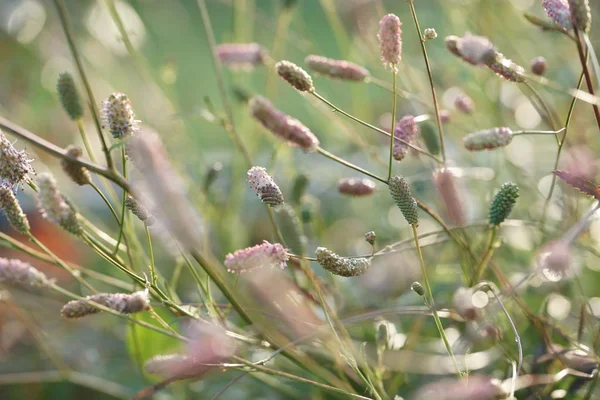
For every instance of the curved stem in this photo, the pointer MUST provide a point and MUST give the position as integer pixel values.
(349, 165)
(429, 294)
(110, 207)
(151, 251)
(393, 131)
(123, 208)
(430, 77)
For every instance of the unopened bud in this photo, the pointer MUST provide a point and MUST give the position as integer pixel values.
(264, 186)
(417, 288)
(342, 266)
(370, 237)
(400, 192)
(539, 65)
(503, 203)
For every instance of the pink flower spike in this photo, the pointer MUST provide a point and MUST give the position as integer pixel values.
(262, 255)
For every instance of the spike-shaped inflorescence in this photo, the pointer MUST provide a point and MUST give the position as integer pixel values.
(342, 266)
(13, 211)
(69, 97)
(295, 76)
(406, 203)
(338, 69)
(120, 302)
(262, 255)
(488, 139)
(264, 186)
(503, 202)
(54, 205)
(21, 273)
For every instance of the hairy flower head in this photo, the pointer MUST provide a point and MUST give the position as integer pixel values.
(356, 186)
(406, 203)
(262, 255)
(242, 56)
(120, 302)
(78, 173)
(295, 76)
(54, 206)
(264, 186)
(21, 273)
(342, 266)
(339, 69)
(390, 41)
(488, 139)
(14, 165)
(503, 203)
(282, 125)
(118, 115)
(581, 14)
(69, 97)
(559, 12)
(406, 130)
(139, 210)
(451, 195)
(13, 211)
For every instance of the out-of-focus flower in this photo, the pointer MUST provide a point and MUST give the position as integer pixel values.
(406, 130)
(69, 97)
(445, 183)
(120, 302)
(241, 56)
(477, 387)
(295, 76)
(390, 41)
(559, 11)
(282, 125)
(264, 186)
(581, 14)
(21, 273)
(356, 186)
(488, 139)
(15, 166)
(54, 206)
(262, 255)
(79, 174)
(464, 103)
(118, 115)
(342, 266)
(339, 69)
(462, 302)
(474, 49)
(574, 358)
(554, 260)
(580, 161)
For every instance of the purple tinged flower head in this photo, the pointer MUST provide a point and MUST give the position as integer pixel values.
(282, 125)
(488, 139)
(462, 302)
(264, 186)
(118, 115)
(54, 206)
(464, 103)
(477, 387)
(452, 198)
(356, 187)
(13, 211)
(15, 166)
(120, 302)
(390, 41)
(559, 12)
(241, 56)
(339, 69)
(262, 255)
(21, 273)
(406, 130)
(581, 14)
(474, 49)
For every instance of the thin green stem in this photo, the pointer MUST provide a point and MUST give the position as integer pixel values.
(123, 208)
(275, 226)
(151, 251)
(110, 207)
(399, 92)
(517, 133)
(360, 121)
(66, 25)
(429, 294)
(86, 142)
(393, 131)
(75, 274)
(489, 251)
(430, 77)
(349, 165)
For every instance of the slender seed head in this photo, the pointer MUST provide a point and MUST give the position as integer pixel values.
(390, 41)
(341, 266)
(15, 166)
(503, 203)
(241, 56)
(282, 125)
(356, 187)
(13, 211)
(55, 207)
(79, 174)
(69, 97)
(139, 211)
(118, 115)
(406, 130)
(581, 14)
(450, 194)
(559, 12)
(539, 65)
(262, 255)
(264, 186)
(406, 203)
(295, 76)
(338, 69)
(463, 304)
(17, 272)
(488, 139)
(120, 302)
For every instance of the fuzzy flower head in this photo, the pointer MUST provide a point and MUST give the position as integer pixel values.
(295, 76)
(406, 130)
(139, 211)
(21, 273)
(464, 103)
(506, 68)
(559, 12)
(14, 165)
(54, 206)
(400, 192)
(118, 115)
(338, 69)
(79, 174)
(581, 14)
(13, 211)
(120, 302)
(69, 97)
(241, 56)
(477, 387)
(390, 41)
(474, 49)
(451, 195)
(488, 139)
(282, 125)
(261, 255)
(554, 260)
(342, 266)
(356, 187)
(503, 203)
(264, 186)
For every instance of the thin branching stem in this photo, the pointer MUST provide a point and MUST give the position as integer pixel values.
(489, 251)
(153, 276)
(393, 131)
(586, 72)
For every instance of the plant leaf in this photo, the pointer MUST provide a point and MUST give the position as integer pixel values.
(584, 186)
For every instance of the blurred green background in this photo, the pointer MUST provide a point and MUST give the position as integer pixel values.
(171, 82)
